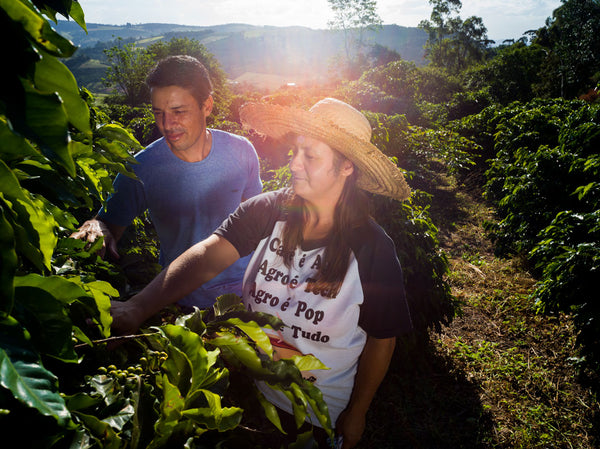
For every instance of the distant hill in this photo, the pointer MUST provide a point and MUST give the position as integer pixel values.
(288, 54)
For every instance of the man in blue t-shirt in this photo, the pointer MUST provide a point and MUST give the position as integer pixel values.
(189, 180)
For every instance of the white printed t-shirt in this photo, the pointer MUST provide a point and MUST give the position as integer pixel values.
(371, 300)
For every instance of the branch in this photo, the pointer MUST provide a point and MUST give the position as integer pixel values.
(117, 339)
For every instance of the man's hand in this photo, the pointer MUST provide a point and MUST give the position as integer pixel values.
(92, 230)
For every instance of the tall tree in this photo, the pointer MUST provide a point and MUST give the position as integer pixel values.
(572, 64)
(510, 74)
(382, 55)
(354, 18)
(453, 43)
(128, 66)
(218, 77)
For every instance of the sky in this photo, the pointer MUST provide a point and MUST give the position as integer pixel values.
(504, 19)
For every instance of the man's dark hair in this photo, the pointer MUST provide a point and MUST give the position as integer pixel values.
(183, 71)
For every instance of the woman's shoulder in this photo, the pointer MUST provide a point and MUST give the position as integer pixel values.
(370, 232)
(371, 244)
(270, 204)
(253, 220)
(271, 198)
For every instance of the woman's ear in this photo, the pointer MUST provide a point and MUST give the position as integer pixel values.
(347, 168)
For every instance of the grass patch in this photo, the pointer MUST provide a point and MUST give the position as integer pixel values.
(93, 64)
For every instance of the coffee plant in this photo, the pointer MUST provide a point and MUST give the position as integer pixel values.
(63, 383)
(180, 384)
(424, 264)
(544, 184)
(55, 161)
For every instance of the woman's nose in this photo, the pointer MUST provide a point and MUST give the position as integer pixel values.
(295, 162)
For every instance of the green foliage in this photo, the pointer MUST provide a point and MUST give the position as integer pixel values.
(425, 96)
(481, 128)
(529, 179)
(381, 55)
(275, 179)
(22, 373)
(139, 120)
(561, 60)
(568, 254)
(397, 80)
(418, 149)
(367, 96)
(424, 264)
(464, 104)
(354, 14)
(55, 158)
(511, 75)
(436, 85)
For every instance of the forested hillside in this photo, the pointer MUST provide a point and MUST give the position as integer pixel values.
(499, 244)
(295, 54)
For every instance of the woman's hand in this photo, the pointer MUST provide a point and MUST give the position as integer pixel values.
(127, 317)
(350, 425)
(372, 367)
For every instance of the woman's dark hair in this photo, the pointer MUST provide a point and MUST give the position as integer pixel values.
(183, 71)
(351, 211)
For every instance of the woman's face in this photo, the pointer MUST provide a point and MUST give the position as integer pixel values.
(318, 172)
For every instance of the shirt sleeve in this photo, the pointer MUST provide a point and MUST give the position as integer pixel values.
(384, 312)
(125, 203)
(252, 221)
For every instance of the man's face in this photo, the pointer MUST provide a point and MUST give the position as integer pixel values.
(180, 119)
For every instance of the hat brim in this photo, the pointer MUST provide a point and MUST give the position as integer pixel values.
(376, 172)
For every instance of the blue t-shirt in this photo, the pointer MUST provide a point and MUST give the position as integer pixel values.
(187, 201)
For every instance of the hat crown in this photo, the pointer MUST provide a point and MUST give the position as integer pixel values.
(343, 116)
(340, 126)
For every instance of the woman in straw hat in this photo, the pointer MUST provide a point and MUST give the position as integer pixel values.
(320, 263)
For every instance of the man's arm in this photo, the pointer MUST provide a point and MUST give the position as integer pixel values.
(372, 368)
(190, 270)
(92, 229)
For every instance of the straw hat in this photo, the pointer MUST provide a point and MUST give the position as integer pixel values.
(341, 127)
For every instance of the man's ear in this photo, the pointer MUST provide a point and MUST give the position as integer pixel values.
(208, 105)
